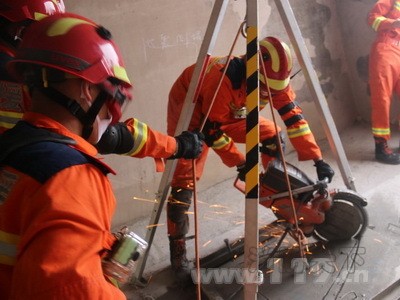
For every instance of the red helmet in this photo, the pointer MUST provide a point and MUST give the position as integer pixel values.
(21, 10)
(277, 62)
(75, 45)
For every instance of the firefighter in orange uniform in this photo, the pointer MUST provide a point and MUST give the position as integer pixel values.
(56, 202)
(15, 15)
(226, 125)
(384, 74)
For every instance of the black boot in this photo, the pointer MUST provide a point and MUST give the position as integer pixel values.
(179, 263)
(384, 154)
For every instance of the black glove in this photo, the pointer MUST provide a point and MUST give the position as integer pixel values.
(189, 145)
(271, 146)
(116, 139)
(212, 132)
(241, 169)
(324, 170)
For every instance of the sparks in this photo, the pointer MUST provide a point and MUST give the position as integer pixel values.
(145, 200)
(206, 243)
(155, 225)
(217, 206)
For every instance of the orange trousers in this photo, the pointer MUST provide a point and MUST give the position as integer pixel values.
(384, 73)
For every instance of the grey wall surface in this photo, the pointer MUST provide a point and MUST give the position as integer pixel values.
(357, 39)
(159, 38)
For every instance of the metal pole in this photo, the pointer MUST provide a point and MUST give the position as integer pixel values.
(207, 46)
(326, 119)
(252, 155)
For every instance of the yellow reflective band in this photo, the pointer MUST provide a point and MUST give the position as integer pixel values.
(397, 5)
(300, 131)
(288, 55)
(7, 125)
(275, 84)
(62, 26)
(381, 131)
(39, 16)
(139, 137)
(120, 73)
(221, 142)
(11, 114)
(377, 22)
(9, 119)
(274, 55)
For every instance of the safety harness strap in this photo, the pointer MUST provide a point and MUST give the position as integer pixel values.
(24, 134)
(293, 120)
(41, 153)
(286, 108)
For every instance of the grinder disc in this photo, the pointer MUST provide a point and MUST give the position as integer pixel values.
(344, 220)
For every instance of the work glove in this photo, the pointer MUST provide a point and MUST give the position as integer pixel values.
(212, 132)
(270, 146)
(189, 145)
(116, 139)
(324, 170)
(241, 169)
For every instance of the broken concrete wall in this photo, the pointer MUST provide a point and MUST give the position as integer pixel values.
(159, 38)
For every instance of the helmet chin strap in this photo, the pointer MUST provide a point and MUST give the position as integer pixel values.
(86, 118)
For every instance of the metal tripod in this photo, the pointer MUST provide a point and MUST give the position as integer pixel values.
(251, 213)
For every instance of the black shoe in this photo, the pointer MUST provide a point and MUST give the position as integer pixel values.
(384, 154)
(391, 159)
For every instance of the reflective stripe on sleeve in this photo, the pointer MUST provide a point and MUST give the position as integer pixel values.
(140, 132)
(221, 142)
(377, 22)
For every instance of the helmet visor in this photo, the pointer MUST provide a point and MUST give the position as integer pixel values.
(117, 100)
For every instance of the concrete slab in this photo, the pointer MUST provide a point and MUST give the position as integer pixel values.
(221, 216)
(347, 270)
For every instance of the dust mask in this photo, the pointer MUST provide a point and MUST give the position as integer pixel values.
(102, 125)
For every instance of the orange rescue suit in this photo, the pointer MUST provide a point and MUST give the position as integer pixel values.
(53, 230)
(230, 100)
(384, 64)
